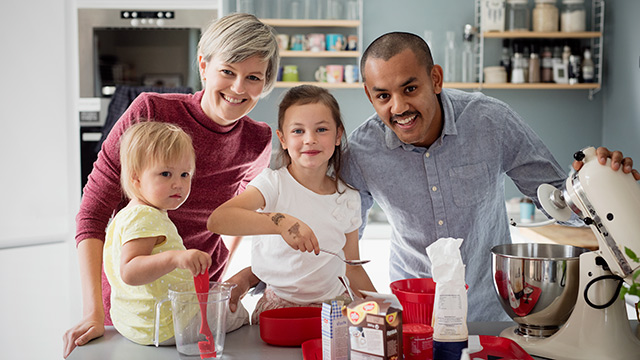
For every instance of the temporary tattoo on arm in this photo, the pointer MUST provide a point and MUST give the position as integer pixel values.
(295, 230)
(276, 218)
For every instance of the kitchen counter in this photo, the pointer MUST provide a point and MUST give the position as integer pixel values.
(242, 344)
(563, 235)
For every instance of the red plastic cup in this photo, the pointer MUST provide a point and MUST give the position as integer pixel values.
(417, 342)
(416, 297)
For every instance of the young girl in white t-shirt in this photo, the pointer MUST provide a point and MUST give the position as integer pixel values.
(143, 252)
(306, 204)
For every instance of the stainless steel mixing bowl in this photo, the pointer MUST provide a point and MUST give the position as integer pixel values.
(537, 284)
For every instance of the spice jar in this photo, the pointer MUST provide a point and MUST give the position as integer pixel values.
(574, 16)
(545, 16)
(518, 15)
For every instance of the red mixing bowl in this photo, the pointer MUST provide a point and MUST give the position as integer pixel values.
(290, 326)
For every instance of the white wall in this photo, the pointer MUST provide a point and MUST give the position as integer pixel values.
(37, 147)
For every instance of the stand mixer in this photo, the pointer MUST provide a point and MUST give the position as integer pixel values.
(609, 202)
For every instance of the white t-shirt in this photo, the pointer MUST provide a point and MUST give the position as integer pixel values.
(295, 276)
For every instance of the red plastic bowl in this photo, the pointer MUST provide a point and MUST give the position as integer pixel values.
(290, 326)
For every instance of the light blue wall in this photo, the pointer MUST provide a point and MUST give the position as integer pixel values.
(621, 95)
(566, 120)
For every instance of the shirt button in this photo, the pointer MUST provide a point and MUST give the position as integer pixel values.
(434, 188)
(427, 155)
(440, 222)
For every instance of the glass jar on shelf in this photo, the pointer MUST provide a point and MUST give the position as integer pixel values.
(518, 15)
(574, 16)
(545, 16)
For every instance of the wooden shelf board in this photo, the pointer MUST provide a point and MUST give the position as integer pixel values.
(509, 86)
(541, 86)
(461, 85)
(311, 23)
(343, 85)
(541, 35)
(320, 54)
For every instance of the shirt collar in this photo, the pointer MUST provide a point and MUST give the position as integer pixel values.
(392, 141)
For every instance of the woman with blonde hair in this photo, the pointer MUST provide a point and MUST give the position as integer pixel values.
(238, 60)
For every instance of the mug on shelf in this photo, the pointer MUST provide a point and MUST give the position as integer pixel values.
(279, 76)
(335, 73)
(351, 73)
(290, 73)
(316, 42)
(283, 41)
(336, 42)
(321, 74)
(298, 42)
(352, 42)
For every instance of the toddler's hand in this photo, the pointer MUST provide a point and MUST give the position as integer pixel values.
(300, 236)
(196, 261)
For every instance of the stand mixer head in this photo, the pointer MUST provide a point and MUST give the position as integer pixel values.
(606, 200)
(609, 202)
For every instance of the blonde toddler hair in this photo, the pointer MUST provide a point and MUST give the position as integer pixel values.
(148, 143)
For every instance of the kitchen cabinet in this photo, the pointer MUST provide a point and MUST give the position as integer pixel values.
(309, 61)
(593, 37)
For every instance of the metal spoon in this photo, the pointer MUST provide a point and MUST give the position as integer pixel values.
(345, 282)
(348, 262)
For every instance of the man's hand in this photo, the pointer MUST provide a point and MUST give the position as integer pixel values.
(617, 161)
(245, 279)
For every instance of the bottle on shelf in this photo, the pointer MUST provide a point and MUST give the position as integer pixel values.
(450, 62)
(574, 69)
(505, 60)
(468, 63)
(546, 71)
(566, 53)
(588, 68)
(525, 61)
(518, 15)
(517, 65)
(534, 65)
(574, 16)
(545, 16)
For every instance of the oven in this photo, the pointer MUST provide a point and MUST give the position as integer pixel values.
(153, 50)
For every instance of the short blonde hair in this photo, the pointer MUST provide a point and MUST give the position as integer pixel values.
(237, 37)
(148, 143)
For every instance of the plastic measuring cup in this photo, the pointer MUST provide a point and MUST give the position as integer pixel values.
(185, 309)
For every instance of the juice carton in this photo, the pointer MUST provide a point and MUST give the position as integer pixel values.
(335, 339)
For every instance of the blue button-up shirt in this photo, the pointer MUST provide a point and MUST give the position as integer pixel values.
(453, 188)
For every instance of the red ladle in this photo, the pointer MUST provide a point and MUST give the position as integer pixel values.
(207, 348)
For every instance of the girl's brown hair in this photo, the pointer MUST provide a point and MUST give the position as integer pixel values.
(310, 94)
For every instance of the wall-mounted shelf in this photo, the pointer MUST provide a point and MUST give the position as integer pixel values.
(525, 86)
(320, 54)
(541, 35)
(595, 38)
(343, 85)
(311, 23)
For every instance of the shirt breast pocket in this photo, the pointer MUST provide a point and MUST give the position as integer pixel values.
(469, 184)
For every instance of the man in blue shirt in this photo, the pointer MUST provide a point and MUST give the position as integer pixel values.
(435, 161)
